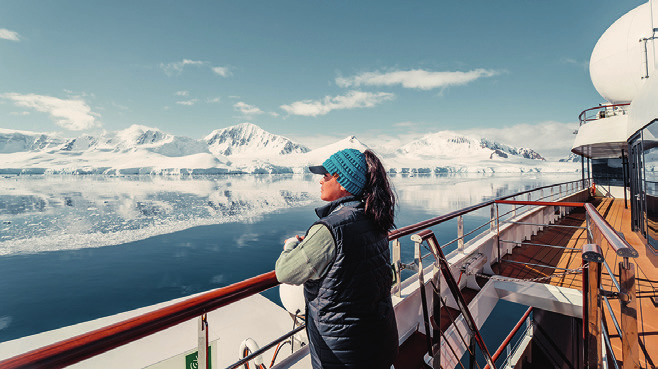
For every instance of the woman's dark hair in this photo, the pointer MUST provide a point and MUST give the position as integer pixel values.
(378, 194)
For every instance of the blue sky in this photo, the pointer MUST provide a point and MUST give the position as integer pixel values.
(385, 71)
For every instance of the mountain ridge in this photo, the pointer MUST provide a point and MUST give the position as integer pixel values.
(245, 148)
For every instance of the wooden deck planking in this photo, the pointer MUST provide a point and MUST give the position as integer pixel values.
(620, 219)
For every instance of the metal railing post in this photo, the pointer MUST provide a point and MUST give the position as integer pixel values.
(492, 218)
(592, 306)
(628, 305)
(460, 233)
(497, 233)
(514, 213)
(396, 267)
(436, 316)
(423, 297)
(589, 228)
(202, 351)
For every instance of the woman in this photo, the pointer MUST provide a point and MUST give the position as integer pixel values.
(343, 262)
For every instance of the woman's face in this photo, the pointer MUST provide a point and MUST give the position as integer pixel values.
(330, 189)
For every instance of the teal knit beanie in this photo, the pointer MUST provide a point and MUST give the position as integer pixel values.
(350, 164)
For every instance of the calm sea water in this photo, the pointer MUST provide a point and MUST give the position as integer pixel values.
(76, 248)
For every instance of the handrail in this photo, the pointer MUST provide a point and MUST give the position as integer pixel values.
(429, 237)
(414, 228)
(582, 117)
(621, 247)
(509, 337)
(84, 346)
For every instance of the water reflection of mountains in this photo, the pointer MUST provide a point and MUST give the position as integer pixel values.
(50, 213)
(21, 204)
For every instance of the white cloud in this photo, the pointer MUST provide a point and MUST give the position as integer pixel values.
(187, 102)
(73, 114)
(247, 109)
(353, 99)
(552, 140)
(182, 93)
(9, 35)
(20, 113)
(177, 67)
(417, 78)
(213, 99)
(222, 71)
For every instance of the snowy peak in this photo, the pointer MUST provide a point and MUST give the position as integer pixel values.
(450, 144)
(138, 137)
(12, 141)
(444, 144)
(248, 139)
(317, 156)
(518, 151)
(572, 158)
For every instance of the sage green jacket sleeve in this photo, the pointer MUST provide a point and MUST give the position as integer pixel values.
(309, 259)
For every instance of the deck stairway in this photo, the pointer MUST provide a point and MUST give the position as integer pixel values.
(556, 261)
(646, 283)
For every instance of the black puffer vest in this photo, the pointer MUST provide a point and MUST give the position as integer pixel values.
(350, 318)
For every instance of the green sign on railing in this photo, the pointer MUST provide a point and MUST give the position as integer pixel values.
(191, 360)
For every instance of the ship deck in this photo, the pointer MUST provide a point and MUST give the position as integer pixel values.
(646, 274)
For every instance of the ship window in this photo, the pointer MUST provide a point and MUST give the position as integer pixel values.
(608, 172)
(650, 151)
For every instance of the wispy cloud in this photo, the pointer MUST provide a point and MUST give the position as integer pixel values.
(213, 99)
(247, 109)
(20, 113)
(73, 114)
(552, 140)
(9, 35)
(222, 71)
(353, 99)
(417, 78)
(177, 68)
(182, 93)
(187, 102)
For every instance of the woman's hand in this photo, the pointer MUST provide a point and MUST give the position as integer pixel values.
(297, 238)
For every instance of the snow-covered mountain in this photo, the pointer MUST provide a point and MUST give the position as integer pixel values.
(448, 144)
(12, 141)
(137, 138)
(248, 139)
(572, 158)
(246, 148)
